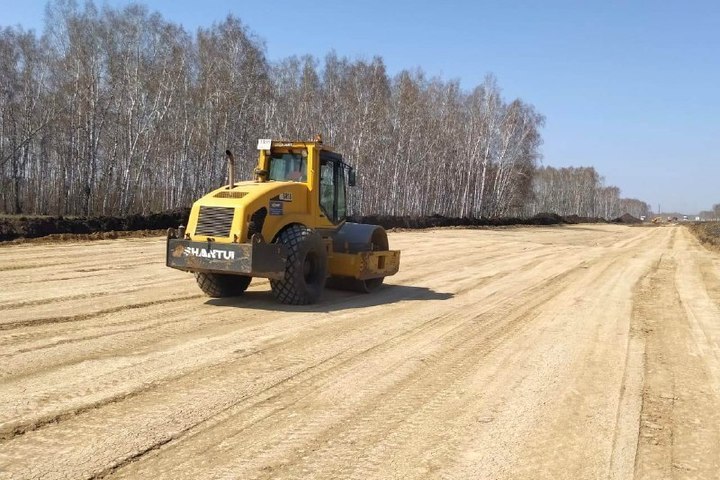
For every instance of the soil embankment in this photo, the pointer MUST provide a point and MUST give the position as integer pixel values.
(75, 228)
(98, 228)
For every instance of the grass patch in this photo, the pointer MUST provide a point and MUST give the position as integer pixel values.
(708, 233)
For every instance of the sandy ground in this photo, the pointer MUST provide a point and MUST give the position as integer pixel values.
(576, 352)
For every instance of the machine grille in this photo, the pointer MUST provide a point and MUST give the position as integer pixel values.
(215, 221)
(230, 194)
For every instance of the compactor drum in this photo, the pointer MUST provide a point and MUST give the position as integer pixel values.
(288, 225)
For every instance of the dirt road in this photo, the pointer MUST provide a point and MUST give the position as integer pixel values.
(575, 352)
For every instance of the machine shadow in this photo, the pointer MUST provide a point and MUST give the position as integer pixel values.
(333, 300)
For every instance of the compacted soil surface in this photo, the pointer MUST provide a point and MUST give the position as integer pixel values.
(576, 352)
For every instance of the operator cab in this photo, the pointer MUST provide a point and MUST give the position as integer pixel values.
(297, 161)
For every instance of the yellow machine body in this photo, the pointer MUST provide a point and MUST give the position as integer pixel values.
(299, 199)
(236, 228)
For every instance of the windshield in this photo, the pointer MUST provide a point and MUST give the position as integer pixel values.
(288, 167)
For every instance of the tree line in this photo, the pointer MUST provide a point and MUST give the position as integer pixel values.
(582, 192)
(118, 111)
(713, 214)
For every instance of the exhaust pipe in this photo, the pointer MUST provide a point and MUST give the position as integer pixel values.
(231, 168)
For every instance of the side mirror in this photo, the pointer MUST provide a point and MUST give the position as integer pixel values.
(351, 177)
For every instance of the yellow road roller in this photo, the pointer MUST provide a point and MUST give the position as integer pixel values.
(288, 224)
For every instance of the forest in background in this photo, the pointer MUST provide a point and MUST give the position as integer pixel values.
(119, 111)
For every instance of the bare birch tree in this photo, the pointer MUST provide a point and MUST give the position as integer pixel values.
(117, 111)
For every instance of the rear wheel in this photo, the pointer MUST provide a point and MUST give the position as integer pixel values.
(217, 285)
(305, 269)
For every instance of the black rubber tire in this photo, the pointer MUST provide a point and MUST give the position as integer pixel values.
(305, 268)
(217, 285)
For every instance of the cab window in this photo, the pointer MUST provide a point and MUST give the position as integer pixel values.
(288, 166)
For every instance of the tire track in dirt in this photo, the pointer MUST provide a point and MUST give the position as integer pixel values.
(87, 316)
(110, 322)
(421, 399)
(46, 301)
(283, 438)
(321, 334)
(155, 362)
(679, 434)
(397, 377)
(552, 393)
(483, 359)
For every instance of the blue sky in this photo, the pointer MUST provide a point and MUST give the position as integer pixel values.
(631, 88)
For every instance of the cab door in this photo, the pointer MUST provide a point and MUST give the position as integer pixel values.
(333, 192)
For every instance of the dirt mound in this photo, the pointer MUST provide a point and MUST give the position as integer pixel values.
(627, 219)
(12, 228)
(546, 218)
(85, 237)
(575, 219)
(435, 221)
(78, 228)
